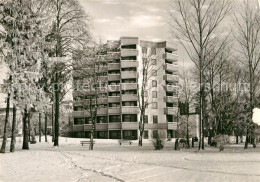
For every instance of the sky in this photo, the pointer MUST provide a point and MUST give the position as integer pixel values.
(112, 19)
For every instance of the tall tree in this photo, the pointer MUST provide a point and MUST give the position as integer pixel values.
(195, 23)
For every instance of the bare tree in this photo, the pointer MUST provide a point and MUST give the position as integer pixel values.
(247, 34)
(194, 23)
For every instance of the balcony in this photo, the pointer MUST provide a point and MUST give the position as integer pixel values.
(171, 57)
(114, 126)
(171, 110)
(130, 110)
(113, 55)
(112, 99)
(102, 101)
(153, 126)
(171, 67)
(102, 111)
(78, 127)
(171, 46)
(101, 126)
(171, 88)
(77, 103)
(129, 40)
(129, 86)
(87, 127)
(129, 52)
(129, 97)
(114, 110)
(128, 74)
(113, 88)
(172, 126)
(78, 114)
(113, 77)
(130, 125)
(128, 64)
(171, 78)
(171, 99)
(113, 66)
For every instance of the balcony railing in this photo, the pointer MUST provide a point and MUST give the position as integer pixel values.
(112, 99)
(128, 64)
(101, 126)
(172, 126)
(129, 52)
(129, 40)
(114, 110)
(78, 127)
(78, 113)
(114, 126)
(130, 125)
(130, 110)
(87, 127)
(113, 66)
(171, 99)
(171, 78)
(129, 97)
(113, 88)
(171, 46)
(152, 126)
(171, 67)
(113, 77)
(128, 74)
(171, 110)
(171, 57)
(129, 86)
(102, 111)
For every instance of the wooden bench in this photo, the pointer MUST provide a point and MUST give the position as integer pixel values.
(86, 142)
(124, 141)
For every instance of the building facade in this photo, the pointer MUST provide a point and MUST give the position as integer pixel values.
(125, 64)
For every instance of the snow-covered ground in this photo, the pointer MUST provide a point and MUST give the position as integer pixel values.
(111, 162)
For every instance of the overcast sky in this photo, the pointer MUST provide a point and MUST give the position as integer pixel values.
(114, 18)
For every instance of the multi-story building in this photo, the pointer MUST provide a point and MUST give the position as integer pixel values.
(118, 106)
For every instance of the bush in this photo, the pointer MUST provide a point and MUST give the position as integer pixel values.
(221, 146)
(158, 143)
(213, 143)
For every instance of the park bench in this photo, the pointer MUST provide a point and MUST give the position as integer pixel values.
(86, 142)
(124, 141)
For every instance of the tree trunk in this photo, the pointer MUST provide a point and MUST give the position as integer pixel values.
(5, 125)
(247, 138)
(40, 127)
(236, 139)
(52, 124)
(13, 140)
(57, 106)
(25, 131)
(187, 132)
(29, 126)
(45, 129)
(141, 129)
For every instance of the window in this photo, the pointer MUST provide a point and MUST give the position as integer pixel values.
(78, 121)
(154, 83)
(114, 118)
(129, 81)
(145, 119)
(155, 119)
(88, 120)
(154, 94)
(145, 134)
(153, 51)
(129, 118)
(114, 93)
(129, 91)
(154, 72)
(154, 62)
(114, 72)
(154, 105)
(101, 119)
(155, 133)
(79, 108)
(132, 103)
(115, 134)
(116, 104)
(144, 71)
(113, 82)
(169, 118)
(130, 134)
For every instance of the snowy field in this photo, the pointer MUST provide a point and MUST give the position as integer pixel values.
(109, 161)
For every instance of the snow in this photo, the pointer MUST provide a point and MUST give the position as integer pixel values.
(111, 162)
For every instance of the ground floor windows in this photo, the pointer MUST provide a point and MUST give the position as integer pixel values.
(145, 134)
(115, 134)
(130, 134)
(172, 133)
(78, 121)
(102, 134)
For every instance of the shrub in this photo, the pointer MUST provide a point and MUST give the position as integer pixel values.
(213, 143)
(158, 143)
